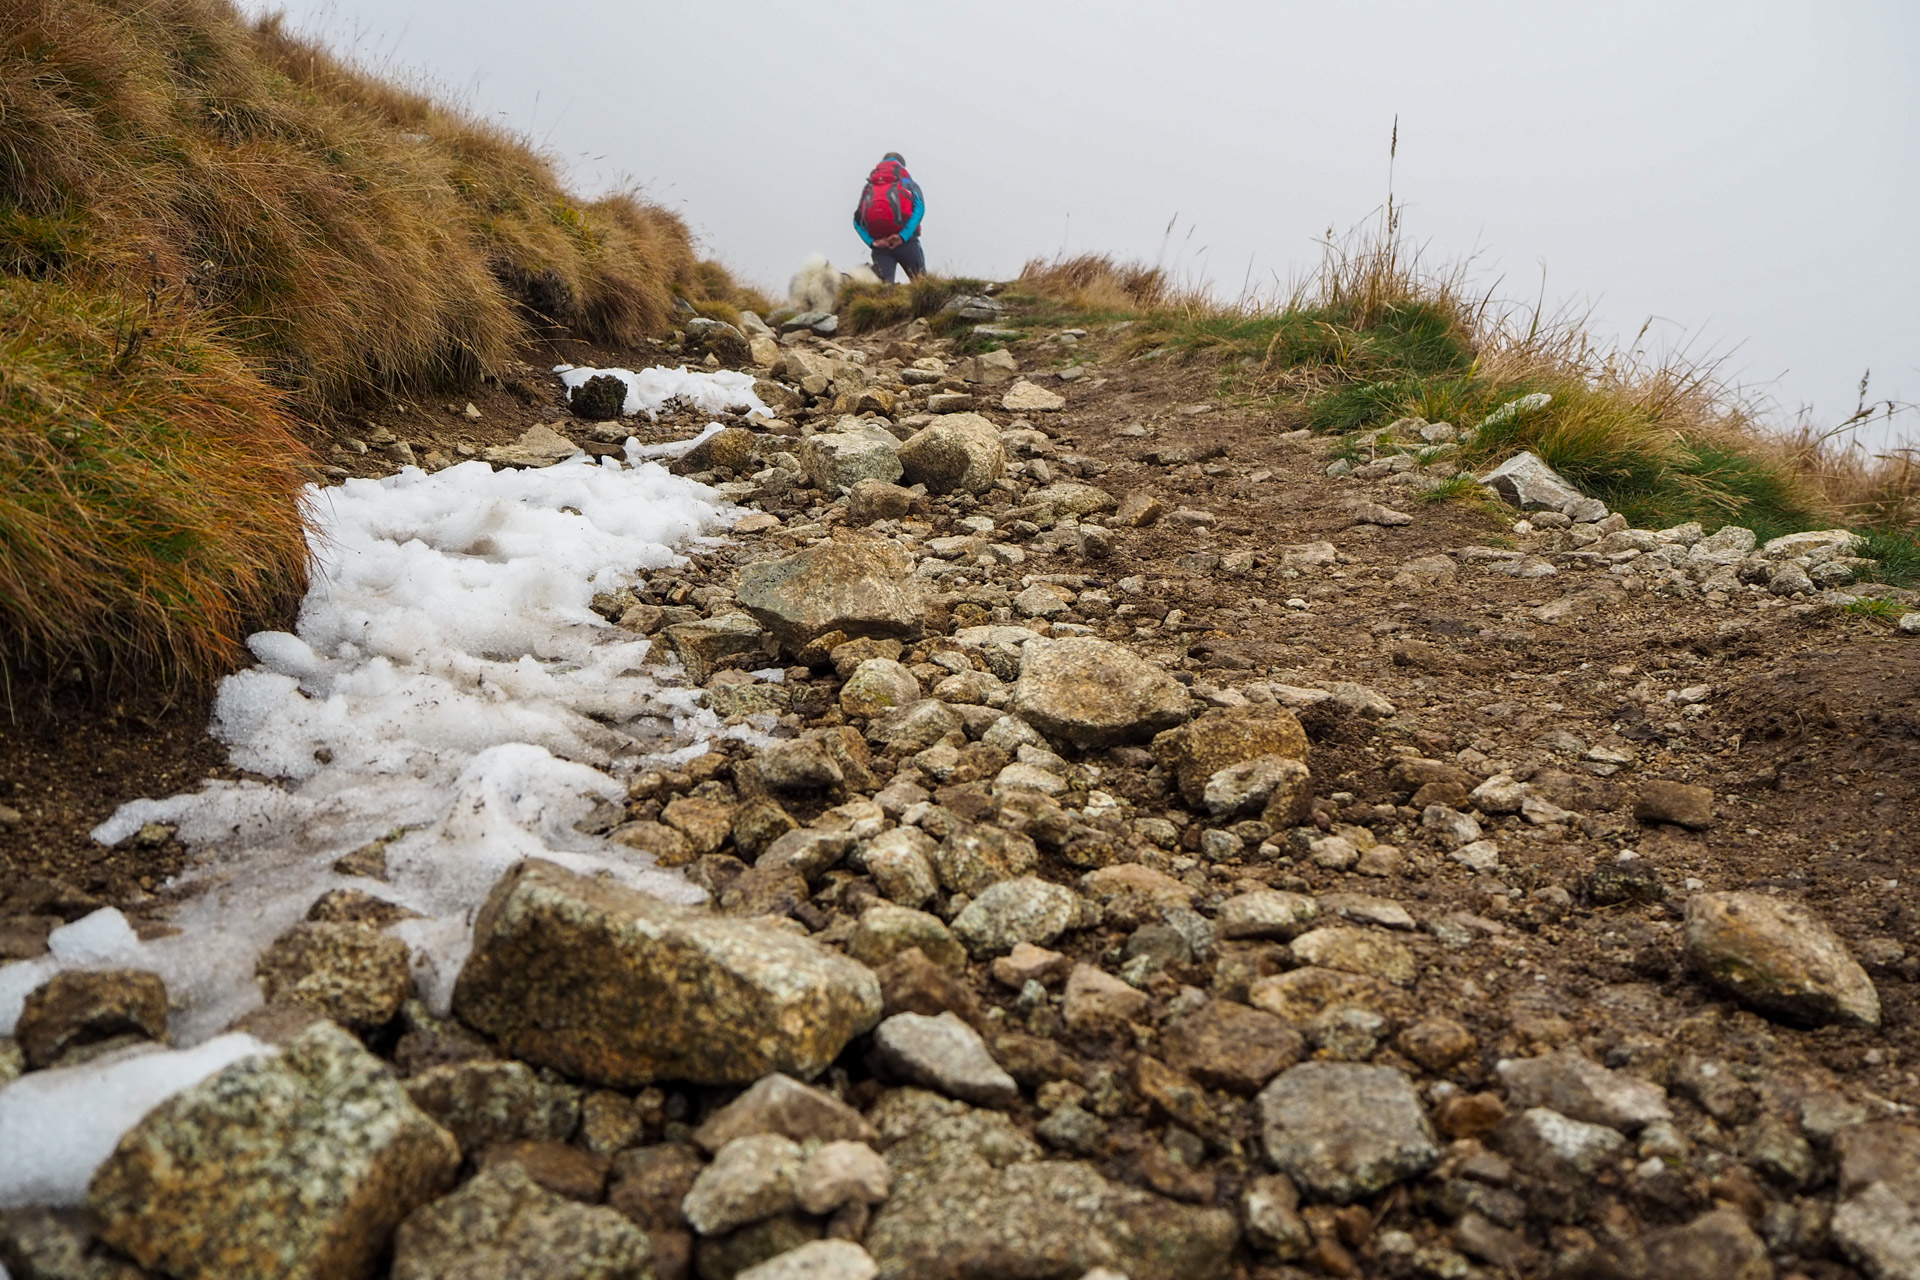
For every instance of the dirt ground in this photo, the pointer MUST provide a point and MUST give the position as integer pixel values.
(1804, 721)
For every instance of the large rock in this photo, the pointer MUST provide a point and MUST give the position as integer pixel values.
(298, 1165)
(955, 452)
(1778, 957)
(81, 1007)
(610, 985)
(1226, 736)
(1530, 484)
(702, 645)
(860, 588)
(502, 1226)
(972, 1198)
(1344, 1130)
(1090, 693)
(838, 460)
(352, 973)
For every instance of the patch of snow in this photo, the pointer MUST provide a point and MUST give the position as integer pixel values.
(57, 1127)
(649, 390)
(450, 693)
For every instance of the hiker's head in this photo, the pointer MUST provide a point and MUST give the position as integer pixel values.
(896, 157)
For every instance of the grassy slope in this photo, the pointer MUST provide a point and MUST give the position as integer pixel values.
(204, 226)
(1370, 340)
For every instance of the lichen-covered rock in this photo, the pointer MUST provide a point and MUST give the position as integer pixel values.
(876, 686)
(858, 588)
(79, 1007)
(702, 645)
(1025, 909)
(352, 973)
(750, 1179)
(1778, 957)
(971, 1198)
(780, 1104)
(502, 1226)
(1226, 736)
(943, 1053)
(955, 452)
(297, 1165)
(1091, 693)
(1344, 1130)
(484, 1102)
(837, 460)
(619, 988)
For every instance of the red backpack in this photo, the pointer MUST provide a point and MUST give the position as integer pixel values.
(886, 206)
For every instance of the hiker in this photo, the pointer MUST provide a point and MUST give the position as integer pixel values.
(888, 218)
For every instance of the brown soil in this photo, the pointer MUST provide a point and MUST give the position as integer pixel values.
(1808, 741)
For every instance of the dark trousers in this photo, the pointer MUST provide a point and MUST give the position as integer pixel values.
(908, 256)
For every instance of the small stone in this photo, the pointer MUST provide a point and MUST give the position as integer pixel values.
(1024, 910)
(1097, 1001)
(1226, 736)
(351, 973)
(750, 1179)
(977, 855)
(1879, 1228)
(1574, 1086)
(1091, 693)
(1025, 397)
(900, 863)
(1553, 1147)
(945, 1054)
(1270, 1207)
(1345, 1130)
(956, 452)
(1778, 957)
(561, 1168)
(863, 588)
(77, 1008)
(1437, 1043)
(1677, 802)
(484, 1103)
(842, 1173)
(871, 500)
(1359, 951)
(502, 1224)
(782, 1105)
(816, 1260)
(884, 931)
(1530, 484)
(1267, 913)
(1374, 513)
(702, 645)
(705, 823)
(1300, 995)
(1278, 788)
(1225, 1045)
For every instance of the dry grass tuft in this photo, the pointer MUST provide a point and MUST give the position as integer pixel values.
(149, 494)
(1373, 334)
(1096, 282)
(319, 236)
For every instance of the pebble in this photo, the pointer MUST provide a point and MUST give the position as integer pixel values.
(945, 1054)
(750, 1179)
(1345, 1130)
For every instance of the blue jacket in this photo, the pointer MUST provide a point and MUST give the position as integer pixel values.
(912, 228)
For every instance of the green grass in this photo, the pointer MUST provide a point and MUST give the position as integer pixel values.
(1898, 551)
(866, 307)
(1879, 610)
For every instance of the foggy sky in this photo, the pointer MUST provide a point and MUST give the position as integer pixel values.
(1745, 174)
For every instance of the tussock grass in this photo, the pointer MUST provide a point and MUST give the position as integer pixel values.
(149, 494)
(300, 236)
(866, 307)
(1372, 335)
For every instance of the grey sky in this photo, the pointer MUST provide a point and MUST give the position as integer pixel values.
(1748, 173)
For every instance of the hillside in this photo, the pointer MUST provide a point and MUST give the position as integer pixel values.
(212, 234)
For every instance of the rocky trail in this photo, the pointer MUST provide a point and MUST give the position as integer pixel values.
(1140, 838)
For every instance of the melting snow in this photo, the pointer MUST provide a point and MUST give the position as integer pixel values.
(649, 390)
(448, 683)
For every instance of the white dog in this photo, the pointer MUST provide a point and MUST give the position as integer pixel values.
(816, 286)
